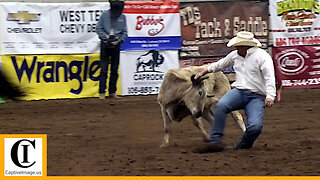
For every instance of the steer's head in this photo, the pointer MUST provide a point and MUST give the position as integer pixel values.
(196, 96)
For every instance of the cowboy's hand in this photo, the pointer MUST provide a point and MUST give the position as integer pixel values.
(269, 102)
(198, 75)
(114, 43)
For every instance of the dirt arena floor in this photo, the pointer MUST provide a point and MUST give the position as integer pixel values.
(122, 137)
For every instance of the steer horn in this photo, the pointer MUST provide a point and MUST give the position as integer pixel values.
(198, 81)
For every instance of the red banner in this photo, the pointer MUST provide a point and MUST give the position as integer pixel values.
(297, 67)
(160, 7)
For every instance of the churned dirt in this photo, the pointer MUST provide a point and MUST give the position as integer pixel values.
(122, 137)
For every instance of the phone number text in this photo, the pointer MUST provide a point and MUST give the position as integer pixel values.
(143, 90)
(301, 82)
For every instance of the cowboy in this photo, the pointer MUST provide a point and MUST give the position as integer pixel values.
(112, 31)
(253, 90)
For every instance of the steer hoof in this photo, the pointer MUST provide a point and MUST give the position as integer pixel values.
(205, 139)
(164, 145)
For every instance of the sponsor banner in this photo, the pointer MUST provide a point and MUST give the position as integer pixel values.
(295, 22)
(142, 72)
(207, 26)
(23, 155)
(297, 67)
(49, 28)
(55, 76)
(152, 25)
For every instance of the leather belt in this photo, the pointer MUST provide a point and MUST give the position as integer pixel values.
(250, 92)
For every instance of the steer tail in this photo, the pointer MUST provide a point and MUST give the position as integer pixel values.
(8, 90)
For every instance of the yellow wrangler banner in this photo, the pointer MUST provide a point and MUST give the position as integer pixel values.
(55, 76)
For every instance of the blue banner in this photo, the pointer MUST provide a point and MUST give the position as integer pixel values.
(150, 43)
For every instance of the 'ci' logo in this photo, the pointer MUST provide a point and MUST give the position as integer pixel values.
(26, 146)
(23, 17)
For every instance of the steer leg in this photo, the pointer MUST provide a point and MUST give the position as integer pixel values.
(208, 115)
(198, 123)
(237, 117)
(166, 125)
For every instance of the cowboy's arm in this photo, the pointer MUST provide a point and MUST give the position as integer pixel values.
(216, 66)
(267, 70)
(100, 27)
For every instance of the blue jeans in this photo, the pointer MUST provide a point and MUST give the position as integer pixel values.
(109, 55)
(236, 99)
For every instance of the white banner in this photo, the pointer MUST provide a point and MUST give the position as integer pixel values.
(153, 25)
(295, 22)
(142, 72)
(49, 28)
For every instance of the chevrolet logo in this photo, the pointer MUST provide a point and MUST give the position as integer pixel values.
(23, 17)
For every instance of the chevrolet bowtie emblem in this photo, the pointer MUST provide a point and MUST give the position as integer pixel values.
(23, 17)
